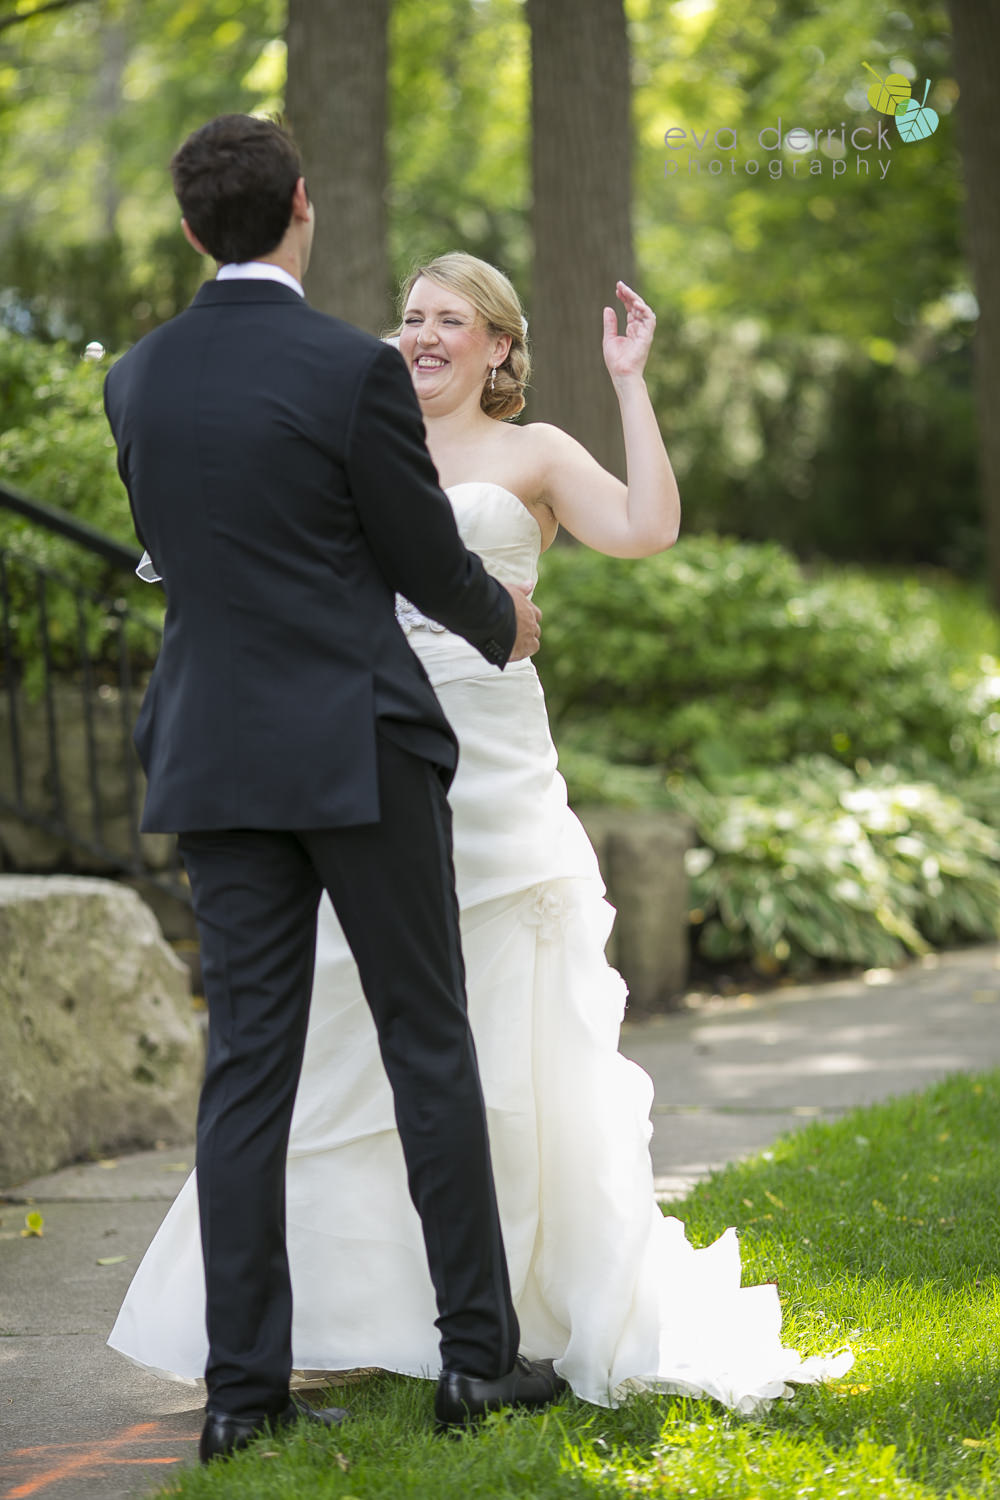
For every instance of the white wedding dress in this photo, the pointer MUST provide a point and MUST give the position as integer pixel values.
(601, 1279)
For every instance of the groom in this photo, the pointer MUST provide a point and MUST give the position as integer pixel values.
(276, 469)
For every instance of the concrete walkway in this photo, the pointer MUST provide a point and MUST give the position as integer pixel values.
(77, 1422)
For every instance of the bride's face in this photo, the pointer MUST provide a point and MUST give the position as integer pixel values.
(447, 346)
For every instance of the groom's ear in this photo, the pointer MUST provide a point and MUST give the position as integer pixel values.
(192, 238)
(301, 205)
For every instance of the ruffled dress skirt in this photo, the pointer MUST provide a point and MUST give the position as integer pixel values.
(602, 1280)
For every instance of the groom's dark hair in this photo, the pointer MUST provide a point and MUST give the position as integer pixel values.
(234, 180)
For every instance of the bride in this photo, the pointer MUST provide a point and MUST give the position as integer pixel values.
(601, 1279)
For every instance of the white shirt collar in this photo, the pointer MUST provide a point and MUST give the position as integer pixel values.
(258, 270)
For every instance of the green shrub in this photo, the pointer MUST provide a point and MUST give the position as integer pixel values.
(722, 652)
(814, 862)
(980, 795)
(55, 443)
(56, 447)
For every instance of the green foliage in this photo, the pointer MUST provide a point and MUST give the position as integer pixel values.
(592, 778)
(96, 99)
(92, 290)
(459, 169)
(719, 653)
(858, 256)
(812, 369)
(960, 608)
(835, 738)
(807, 440)
(55, 443)
(895, 473)
(812, 862)
(93, 102)
(56, 447)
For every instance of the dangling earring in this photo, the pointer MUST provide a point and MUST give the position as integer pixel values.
(493, 378)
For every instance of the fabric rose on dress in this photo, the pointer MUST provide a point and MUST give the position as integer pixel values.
(546, 907)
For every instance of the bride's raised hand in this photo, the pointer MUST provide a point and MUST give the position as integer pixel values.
(625, 354)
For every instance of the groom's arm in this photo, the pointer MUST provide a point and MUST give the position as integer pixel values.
(111, 405)
(407, 519)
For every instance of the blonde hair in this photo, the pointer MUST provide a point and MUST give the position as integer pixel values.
(495, 299)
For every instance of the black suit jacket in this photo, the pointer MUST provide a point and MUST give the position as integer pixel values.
(277, 471)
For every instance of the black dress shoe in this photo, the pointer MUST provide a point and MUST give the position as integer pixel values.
(461, 1398)
(222, 1435)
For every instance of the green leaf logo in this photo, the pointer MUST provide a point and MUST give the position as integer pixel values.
(889, 93)
(915, 122)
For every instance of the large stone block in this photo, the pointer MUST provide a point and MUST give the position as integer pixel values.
(641, 854)
(99, 1048)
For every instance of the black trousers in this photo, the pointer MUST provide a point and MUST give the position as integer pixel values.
(256, 895)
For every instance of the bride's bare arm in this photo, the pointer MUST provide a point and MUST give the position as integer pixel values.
(630, 520)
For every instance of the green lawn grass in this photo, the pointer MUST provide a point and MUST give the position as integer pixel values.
(883, 1231)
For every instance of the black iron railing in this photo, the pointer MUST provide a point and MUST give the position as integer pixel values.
(73, 658)
(57, 522)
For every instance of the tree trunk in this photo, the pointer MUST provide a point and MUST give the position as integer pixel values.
(976, 30)
(581, 157)
(336, 107)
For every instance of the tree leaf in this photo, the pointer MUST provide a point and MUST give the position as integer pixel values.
(915, 122)
(889, 93)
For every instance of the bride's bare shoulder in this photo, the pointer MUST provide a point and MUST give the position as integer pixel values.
(548, 452)
(539, 434)
(537, 445)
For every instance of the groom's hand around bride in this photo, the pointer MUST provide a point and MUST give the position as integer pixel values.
(529, 635)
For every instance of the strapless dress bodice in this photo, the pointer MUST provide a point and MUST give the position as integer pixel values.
(499, 528)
